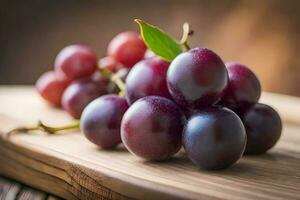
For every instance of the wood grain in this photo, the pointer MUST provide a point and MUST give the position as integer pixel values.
(68, 166)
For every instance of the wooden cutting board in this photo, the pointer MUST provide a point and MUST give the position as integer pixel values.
(68, 166)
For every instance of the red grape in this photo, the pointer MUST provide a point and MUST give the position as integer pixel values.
(51, 88)
(127, 47)
(76, 61)
(110, 63)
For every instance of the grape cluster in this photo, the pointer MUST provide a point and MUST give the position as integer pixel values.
(195, 101)
(75, 81)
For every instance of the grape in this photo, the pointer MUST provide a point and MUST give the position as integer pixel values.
(51, 87)
(79, 94)
(101, 119)
(197, 78)
(146, 78)
(243, 87)
(76, 61)
(149, 54)
(152, 128)
(60, 75)
(110, 63)
(263, 127)
(99, 79)
(127, 47)
(214, 138)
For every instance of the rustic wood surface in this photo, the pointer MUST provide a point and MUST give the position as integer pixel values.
(68, 166)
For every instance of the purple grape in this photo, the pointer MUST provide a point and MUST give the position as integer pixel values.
(101, 120)
(263, 127)
(80, 93)
(146, 78)
(197, 78)
(152, 128)
(214, 138)
(243, 87)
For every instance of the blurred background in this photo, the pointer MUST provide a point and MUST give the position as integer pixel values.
(261, 34)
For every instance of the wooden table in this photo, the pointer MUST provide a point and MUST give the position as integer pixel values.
(68, 166)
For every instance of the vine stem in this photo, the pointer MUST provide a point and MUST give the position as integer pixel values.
(45, 128)
(186, 33)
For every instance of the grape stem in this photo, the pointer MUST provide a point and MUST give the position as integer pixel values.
(114, 78)
(186, 33)
(45, 128)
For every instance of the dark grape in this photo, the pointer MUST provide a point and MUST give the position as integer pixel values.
(197, 78)
(79, 94)
(128, 48)
(110, 63)
(146, 78)
(263, 127)
(152, 128)
(243, 87)
(76, 61)
(99, 79)
(51, 87)
(101, 120)
(214, 138)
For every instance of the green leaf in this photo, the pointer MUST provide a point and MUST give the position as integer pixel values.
(158, 41)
